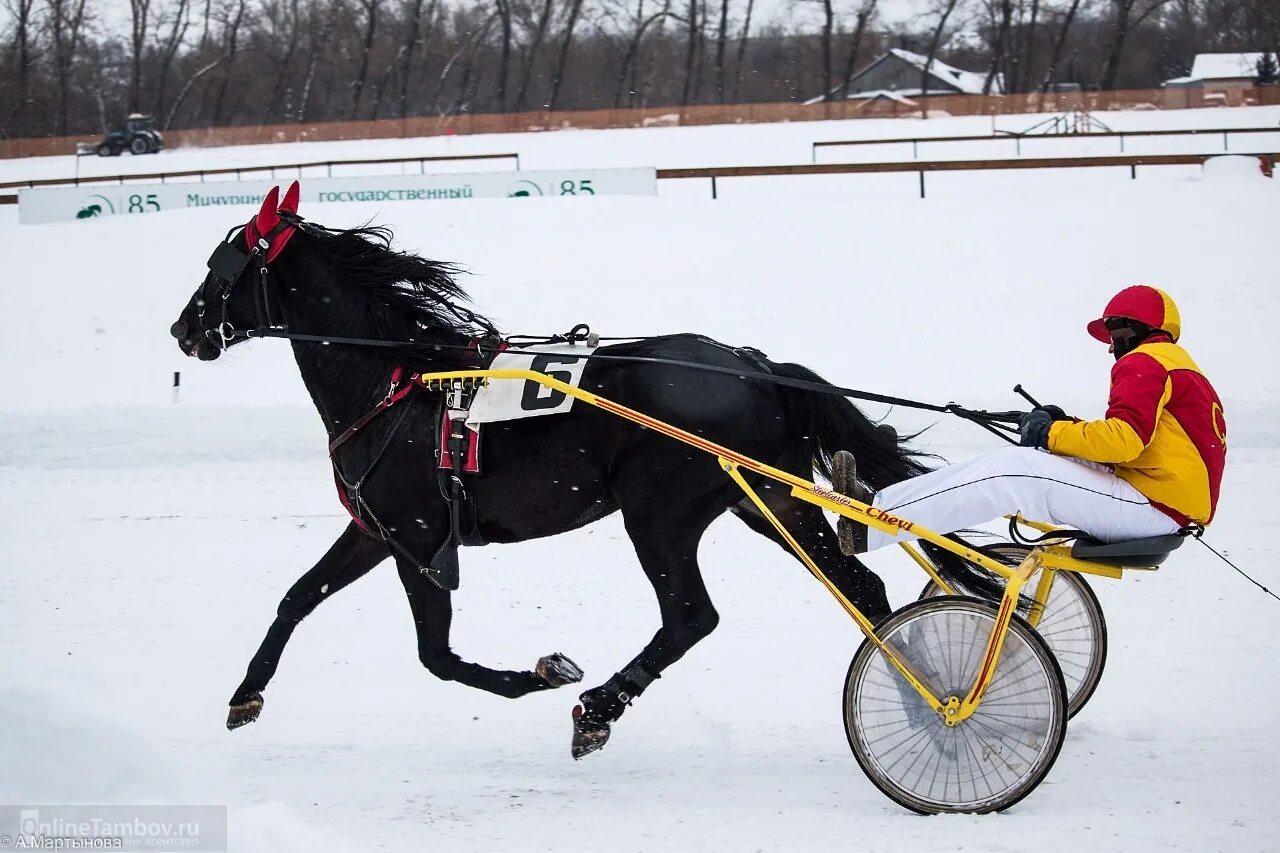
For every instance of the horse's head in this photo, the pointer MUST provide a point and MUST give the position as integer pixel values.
(236, 297)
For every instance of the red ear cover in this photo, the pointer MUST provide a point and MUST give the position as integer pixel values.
(290, 202)
(267, 218)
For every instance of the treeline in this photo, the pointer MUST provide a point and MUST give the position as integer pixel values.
(70, 68)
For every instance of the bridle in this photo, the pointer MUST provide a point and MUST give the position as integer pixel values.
(230, 264)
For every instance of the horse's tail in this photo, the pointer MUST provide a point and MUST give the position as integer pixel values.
(832, 423)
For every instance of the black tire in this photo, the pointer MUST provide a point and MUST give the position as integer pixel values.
(1073, 625)
(944, 639)
(104, 150)
(139, 145)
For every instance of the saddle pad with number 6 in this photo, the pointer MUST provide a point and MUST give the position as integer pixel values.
(511, 399)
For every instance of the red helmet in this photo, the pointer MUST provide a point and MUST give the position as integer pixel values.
(1143, 303)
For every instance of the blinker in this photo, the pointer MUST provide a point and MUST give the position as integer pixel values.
(228, 262)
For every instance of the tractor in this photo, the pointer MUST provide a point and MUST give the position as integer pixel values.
(139, 136)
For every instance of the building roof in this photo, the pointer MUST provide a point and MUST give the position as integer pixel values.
(950, 80)
(967, 82)
(1225, 66)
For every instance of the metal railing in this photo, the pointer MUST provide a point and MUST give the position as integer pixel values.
(239, 171)
(1133, 161)
(1005, 136)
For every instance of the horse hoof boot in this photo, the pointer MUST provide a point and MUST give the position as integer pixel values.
(244, 713)
(588, 734)
(851, 535)
(557, 670)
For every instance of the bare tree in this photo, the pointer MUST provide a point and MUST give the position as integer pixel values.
(66, 24)
(503, 8)
(999, 44)
(691, 47)
(362, 74)
(863, 17)
(1127, 15)
(139, 11)
(531, 52)
(566, 42)
(321, 26)
(721, 35)
(23, 12)
(742, 49)
(641, 24)
(413, 34)
(828, 34)
(1051, 73)
(168, 49)
(935, 42)
(186, 88)
(230, 46)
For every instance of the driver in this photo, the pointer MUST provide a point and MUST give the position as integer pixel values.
(1151, 467)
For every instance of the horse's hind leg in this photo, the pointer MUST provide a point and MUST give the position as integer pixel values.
(810, 528)
(351, 557)
(666, 541)
(433, 614)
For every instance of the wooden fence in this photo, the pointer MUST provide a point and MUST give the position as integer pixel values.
(673, 116)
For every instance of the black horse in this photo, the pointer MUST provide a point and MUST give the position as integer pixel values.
(542, 476)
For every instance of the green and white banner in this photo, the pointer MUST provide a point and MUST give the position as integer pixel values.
(88, 201)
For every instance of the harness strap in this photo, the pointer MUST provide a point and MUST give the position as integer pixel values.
(395, 394)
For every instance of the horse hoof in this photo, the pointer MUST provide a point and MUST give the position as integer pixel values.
(588, 735)
(557, 670)
(244, 713)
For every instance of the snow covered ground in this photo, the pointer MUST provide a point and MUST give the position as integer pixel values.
(144, 543)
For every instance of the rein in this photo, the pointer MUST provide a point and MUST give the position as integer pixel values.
(1002, 424)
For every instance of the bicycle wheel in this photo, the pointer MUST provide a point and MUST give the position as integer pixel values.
(1072, 625)
(989, 761)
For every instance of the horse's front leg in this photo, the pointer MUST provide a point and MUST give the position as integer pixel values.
(432, 615)
(351, 557)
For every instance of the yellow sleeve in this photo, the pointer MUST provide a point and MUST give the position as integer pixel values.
(1108, 441)
(1140, 388)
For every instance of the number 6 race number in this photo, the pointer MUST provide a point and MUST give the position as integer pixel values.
(537, 397)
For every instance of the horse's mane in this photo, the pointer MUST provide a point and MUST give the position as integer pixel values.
(409, 297)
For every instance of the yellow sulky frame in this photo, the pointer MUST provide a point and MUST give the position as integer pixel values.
(1050, 557)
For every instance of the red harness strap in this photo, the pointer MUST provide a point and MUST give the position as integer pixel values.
(395, 394)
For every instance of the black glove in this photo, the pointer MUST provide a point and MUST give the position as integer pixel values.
(1033, 428)
(1055, 412)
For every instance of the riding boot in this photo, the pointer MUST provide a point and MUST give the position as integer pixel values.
(851, 535)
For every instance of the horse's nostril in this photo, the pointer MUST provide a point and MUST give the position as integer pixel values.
(178, 330)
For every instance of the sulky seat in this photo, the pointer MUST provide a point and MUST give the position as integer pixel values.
(1151, 551)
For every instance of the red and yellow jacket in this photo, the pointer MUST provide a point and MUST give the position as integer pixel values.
(1164, 432)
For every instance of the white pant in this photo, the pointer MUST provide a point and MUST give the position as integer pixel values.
(1060, 490)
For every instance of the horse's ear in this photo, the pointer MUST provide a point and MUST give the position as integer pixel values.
(290, 201)
(267, 217)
